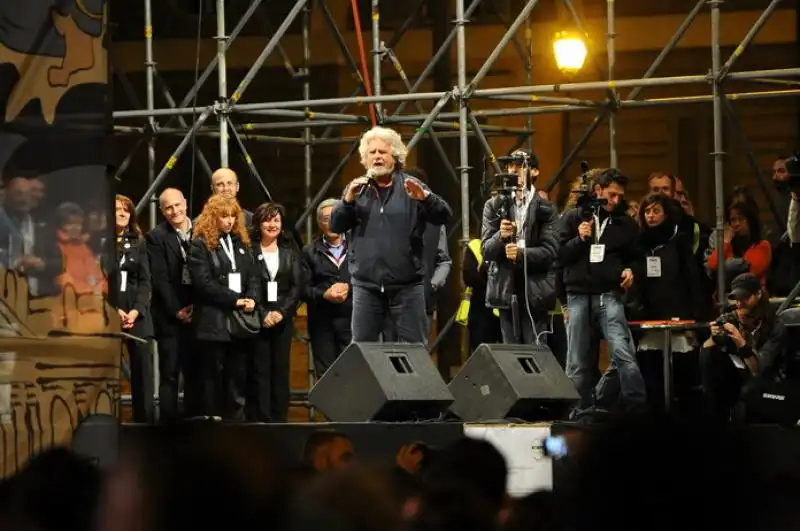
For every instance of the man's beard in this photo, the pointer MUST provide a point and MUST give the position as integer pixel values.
(382, 171)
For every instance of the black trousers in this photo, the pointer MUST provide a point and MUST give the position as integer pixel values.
(329, 337)
(224, 365)
(405, 307)
(140, 356)
(176, 356)
(268, 391)
(722, 383)
(685, 377)
(529, 330)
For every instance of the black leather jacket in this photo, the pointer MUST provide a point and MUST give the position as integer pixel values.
(535, 269)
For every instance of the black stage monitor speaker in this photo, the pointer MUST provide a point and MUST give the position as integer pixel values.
(390, 382)
(768, 402)
(511, 381)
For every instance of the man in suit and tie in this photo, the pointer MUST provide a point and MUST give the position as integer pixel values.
(167, 248)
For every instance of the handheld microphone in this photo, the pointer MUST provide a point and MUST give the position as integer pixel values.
(370, 175)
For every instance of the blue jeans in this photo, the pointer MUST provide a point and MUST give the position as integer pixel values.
(622, 376)
(404, 307)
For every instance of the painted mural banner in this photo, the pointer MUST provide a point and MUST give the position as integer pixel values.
(59, 362)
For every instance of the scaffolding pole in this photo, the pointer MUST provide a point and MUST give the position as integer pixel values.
(307, 151)
(377, 55)
(222, 83)
(612, 61)
(267, 51)
(504, 91)
(150, 102)
(718, 153)
(173, 159)
(463, 110)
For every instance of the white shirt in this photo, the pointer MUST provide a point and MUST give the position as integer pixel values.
(271, 261)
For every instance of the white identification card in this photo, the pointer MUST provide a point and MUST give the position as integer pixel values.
(272, 291)
(123, 281)
(653, 267)
(521, 243)
(186, 278)
(235, 282)
(597, 252)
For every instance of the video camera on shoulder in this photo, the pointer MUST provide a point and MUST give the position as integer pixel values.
(587, 202)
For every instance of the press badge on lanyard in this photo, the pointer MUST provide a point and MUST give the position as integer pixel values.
(653, 267)
(654, 262)
(234, 277)
(597, 252)
(123, 276)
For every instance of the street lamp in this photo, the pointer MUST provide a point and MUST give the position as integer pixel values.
(570, 52)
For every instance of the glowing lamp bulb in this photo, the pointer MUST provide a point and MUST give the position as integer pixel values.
(570, 52)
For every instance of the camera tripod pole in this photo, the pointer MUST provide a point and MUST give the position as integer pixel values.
(515, 319)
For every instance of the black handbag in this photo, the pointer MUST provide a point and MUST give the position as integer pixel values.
(242, 325)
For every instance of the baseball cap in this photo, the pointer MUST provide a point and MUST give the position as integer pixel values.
(745, 286)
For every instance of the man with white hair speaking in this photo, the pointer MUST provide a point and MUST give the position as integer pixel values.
(386, 212)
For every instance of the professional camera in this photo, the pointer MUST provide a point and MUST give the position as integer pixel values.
(587, 202)
(506, 183)
(722, 338)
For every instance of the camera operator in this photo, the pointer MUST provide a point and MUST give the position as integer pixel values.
(520, 244)
(598, 252)
(745, 347)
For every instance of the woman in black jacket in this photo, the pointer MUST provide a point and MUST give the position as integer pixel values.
(669, 287)
(225, 283)
(280, 274)
(133, 306)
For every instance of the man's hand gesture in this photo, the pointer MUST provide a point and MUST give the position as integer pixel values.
(415, 190)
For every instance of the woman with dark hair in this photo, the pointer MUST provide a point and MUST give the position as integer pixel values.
(668, 288)
(745, 250)
(280, 275)
(225, 283)
(133, 305)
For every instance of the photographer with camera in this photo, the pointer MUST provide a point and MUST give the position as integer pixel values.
(746, 347)
(598, 254)
(520, 245)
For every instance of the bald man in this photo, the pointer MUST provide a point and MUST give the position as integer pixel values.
(167, 247)
(225, 181)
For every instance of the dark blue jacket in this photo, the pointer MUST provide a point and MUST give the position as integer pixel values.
(386, 238)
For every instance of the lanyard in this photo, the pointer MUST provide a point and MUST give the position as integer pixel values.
(657, 247)
(228, 250)
(601, 227)
(122, 260)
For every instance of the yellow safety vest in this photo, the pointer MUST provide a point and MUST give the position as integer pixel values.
(462, 314)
